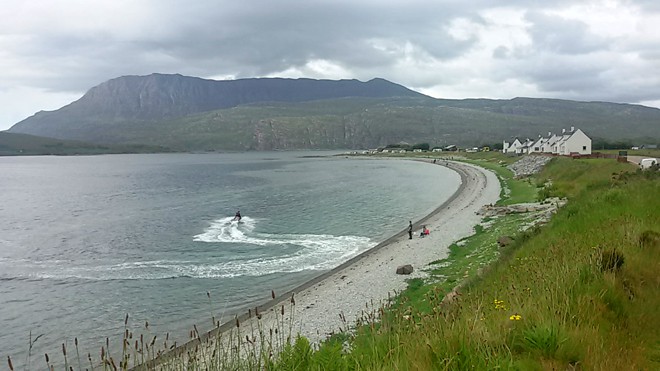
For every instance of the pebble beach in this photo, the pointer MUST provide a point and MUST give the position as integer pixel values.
(339, 297)
(369, 279)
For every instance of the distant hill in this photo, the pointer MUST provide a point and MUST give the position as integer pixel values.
(187, 113)
(24, 144)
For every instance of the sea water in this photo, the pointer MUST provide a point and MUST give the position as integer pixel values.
(86, 240)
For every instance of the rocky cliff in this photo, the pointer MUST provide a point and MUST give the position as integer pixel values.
(156, 97)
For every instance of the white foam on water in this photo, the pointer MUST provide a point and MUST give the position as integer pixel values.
(230, 231)
(291, 253)
(313, 252)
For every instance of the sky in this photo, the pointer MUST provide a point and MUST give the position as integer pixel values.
(53, 51)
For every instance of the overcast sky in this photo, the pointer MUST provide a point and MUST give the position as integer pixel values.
(53, 51)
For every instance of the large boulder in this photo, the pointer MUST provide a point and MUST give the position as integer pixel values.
(404, 269)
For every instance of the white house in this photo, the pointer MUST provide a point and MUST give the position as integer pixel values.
(518, 147)
(537, 147)
(565, 144)
(526, 146)
(546, 147)
(513, 147)
(558, 140)
(574, 142)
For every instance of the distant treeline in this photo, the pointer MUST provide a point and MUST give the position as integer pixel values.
(596, 144)
(600, 143)
(410, 147)
(29, 145)
(426, 146)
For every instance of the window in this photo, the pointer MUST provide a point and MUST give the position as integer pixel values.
(584, 148)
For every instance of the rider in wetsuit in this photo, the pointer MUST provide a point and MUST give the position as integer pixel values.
(238, 216)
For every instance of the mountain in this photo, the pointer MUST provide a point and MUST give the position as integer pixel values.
(188, 113)
(157, 97)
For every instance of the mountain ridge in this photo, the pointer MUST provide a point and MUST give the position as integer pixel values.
(161, 95)
(191, 113)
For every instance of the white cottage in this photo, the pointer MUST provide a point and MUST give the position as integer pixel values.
(564, 144)
(526, 146)
(537, 147)
(546, 147)
(574, 142)
(513, 147)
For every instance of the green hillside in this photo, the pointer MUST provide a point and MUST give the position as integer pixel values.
(369, 122)
(23, 145)
(192, 114)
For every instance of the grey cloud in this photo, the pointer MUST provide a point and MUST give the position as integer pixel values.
(556, 34)
(245, 39)
(258, 38)
(578, 79)
(501, 52)
(647, 5)
(269, 41)
(585, 79)
(652, 56)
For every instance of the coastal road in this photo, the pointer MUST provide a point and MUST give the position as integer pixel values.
(637, 159)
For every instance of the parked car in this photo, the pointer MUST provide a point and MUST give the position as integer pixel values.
(647, 163)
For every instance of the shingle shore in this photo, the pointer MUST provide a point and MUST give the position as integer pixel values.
(369, 279)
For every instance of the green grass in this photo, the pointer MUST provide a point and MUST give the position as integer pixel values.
(466, 259)
(575, 311)
(514, 191)
(570, 177)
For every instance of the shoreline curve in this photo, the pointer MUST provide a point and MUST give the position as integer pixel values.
(369, 276)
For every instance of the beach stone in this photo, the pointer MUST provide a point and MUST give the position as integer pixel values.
(504, 241)
(404, 269)
(529, 165)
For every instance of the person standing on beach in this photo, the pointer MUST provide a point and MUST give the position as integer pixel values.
(410, 227)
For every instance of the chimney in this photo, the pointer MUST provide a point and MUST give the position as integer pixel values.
(572, 129)
(563, 131)
(549, 134)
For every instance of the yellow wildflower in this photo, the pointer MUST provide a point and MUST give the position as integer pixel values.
(499, 304)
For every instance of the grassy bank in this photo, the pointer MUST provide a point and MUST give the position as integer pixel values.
(581, 292)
